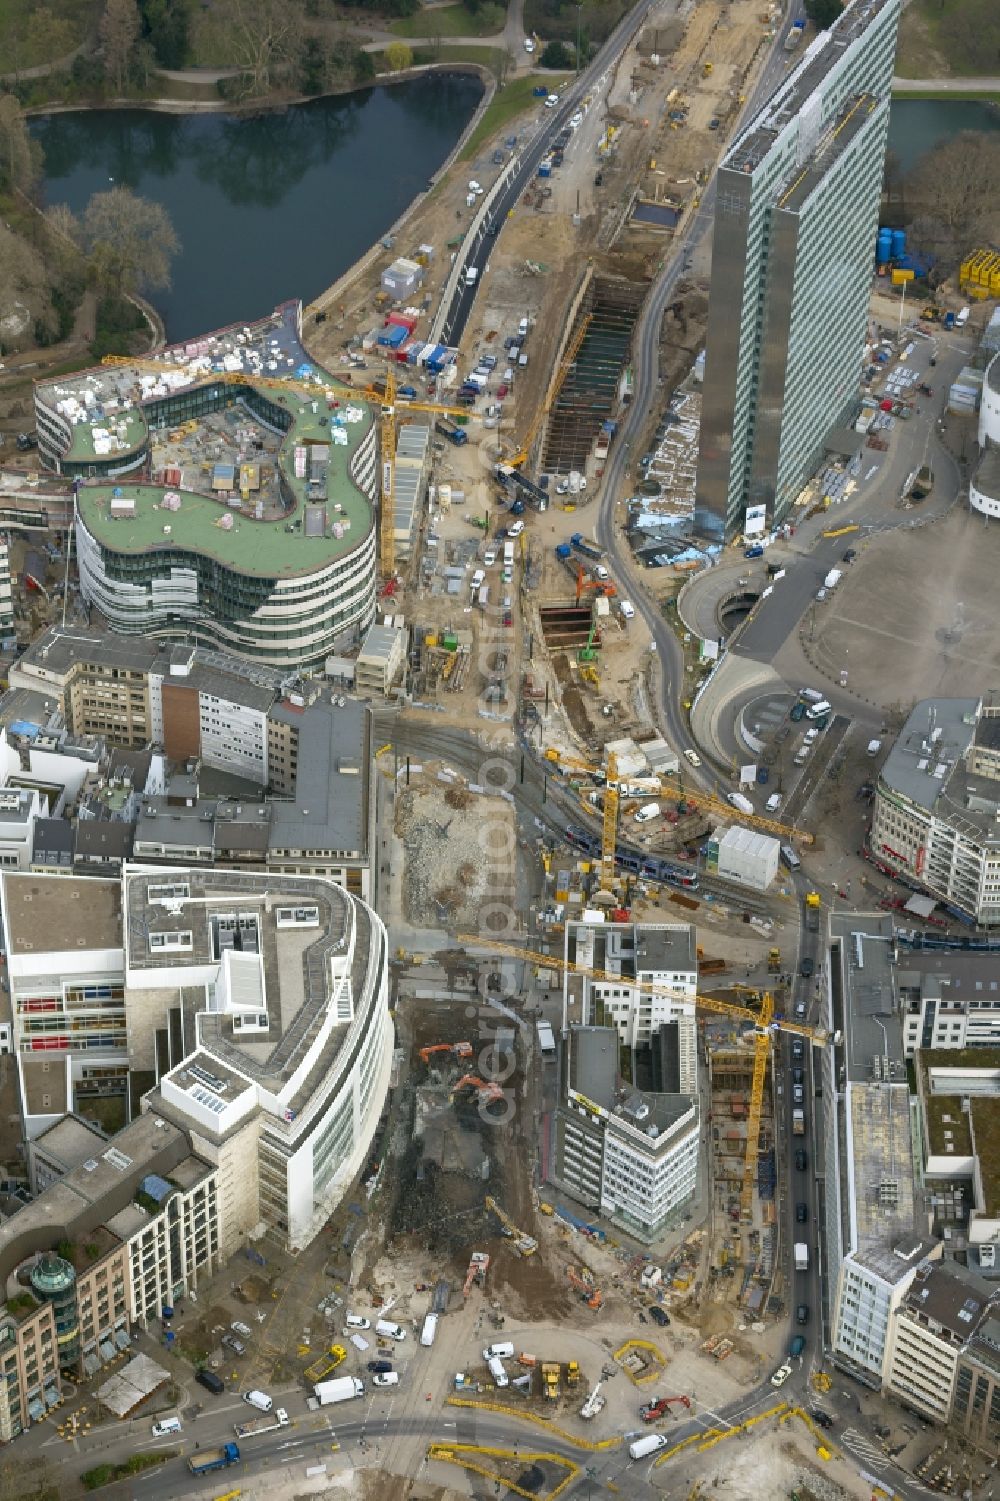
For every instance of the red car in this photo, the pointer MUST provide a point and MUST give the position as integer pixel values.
(501, 392)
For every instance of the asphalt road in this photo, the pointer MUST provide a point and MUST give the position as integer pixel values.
(553, 121)
(645, 363)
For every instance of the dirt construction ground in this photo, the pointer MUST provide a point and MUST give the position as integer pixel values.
(894, 653)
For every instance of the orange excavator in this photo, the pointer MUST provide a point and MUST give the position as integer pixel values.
(583, 583)
(588, 1290)
(479, 1265)
(487, 1091)
(456, 1049)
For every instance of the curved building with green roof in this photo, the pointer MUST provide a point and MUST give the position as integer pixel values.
(200, 554)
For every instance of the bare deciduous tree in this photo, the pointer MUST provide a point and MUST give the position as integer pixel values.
(953, 195)
(20, 156)
(119, 32)
(267, 38)
(129, 241)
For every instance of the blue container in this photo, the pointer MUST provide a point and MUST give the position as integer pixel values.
(884, 244)
(898, 243)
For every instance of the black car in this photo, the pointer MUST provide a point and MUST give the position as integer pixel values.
(798, 1077)
(798, 1048)
(801, 1213)
(380, 1367)
(659, 1316)
(824, 1419)
(801, 1160)
(850, 555)
(802, 1313)
(211, 1382)
(806, 967)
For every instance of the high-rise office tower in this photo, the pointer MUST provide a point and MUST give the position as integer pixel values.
(796, 219)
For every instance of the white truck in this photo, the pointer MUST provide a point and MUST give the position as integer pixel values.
(833, 578)
(743, 804)
(339, 1390)
(264, 1424)
(801, 1251)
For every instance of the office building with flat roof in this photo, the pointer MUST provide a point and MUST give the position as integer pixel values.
(949, 1000)
(276, 988)
(285, 578)
(876, 1229)
(975, 1409)
(630, 1154)
(796, 216)
(936, 818)
(943, 1308)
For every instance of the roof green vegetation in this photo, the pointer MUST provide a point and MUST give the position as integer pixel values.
(82, 446)
(975, 1130)
(265, 548)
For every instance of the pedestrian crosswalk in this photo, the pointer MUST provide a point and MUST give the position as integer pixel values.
(874, 1459)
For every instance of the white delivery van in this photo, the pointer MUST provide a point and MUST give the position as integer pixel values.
(478, 578)
(166, 1426)
(773, 803)
(651, 1444)
(497, 1372)
(355, 1321)
(816, 711)
(648, 813)
(471, 275)
(503, 1351)
(386, 1378)
(260, 1400)
(811, 695)
(743, 804)
(429, 1330)
(389, 1331)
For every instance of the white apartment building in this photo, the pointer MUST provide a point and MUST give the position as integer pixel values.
(630, 1154)
(943, 1307)
(65, 968)
(872, 1284)
(660, 956)
(8, 633)
(936, 818)
(282, 982)
(949, 1000)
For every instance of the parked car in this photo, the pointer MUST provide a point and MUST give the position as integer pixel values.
(659, 1316)
(798, 712)
(381, 1367)
(627, 608)
(242, 1329)
(211, 1382)
(232, 1343)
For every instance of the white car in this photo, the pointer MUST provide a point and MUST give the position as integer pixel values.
(627, 608)
(386, 1378)
(515, 529)
(552, 101)
(529, 45)
(693, 757)
(354, 1320)
(577, 120)
(781, 1375)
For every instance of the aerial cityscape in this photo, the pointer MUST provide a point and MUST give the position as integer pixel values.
(499, 750)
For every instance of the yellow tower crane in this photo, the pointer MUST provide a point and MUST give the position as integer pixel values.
(672, 784)
(383, 395)
(555, 386)
(763, 1021)
(609, 827)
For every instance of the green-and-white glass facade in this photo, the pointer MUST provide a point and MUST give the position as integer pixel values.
(796, 219)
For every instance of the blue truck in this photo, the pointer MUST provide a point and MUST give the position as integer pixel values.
(451, 431)
(214, 1459)
(580, 544)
